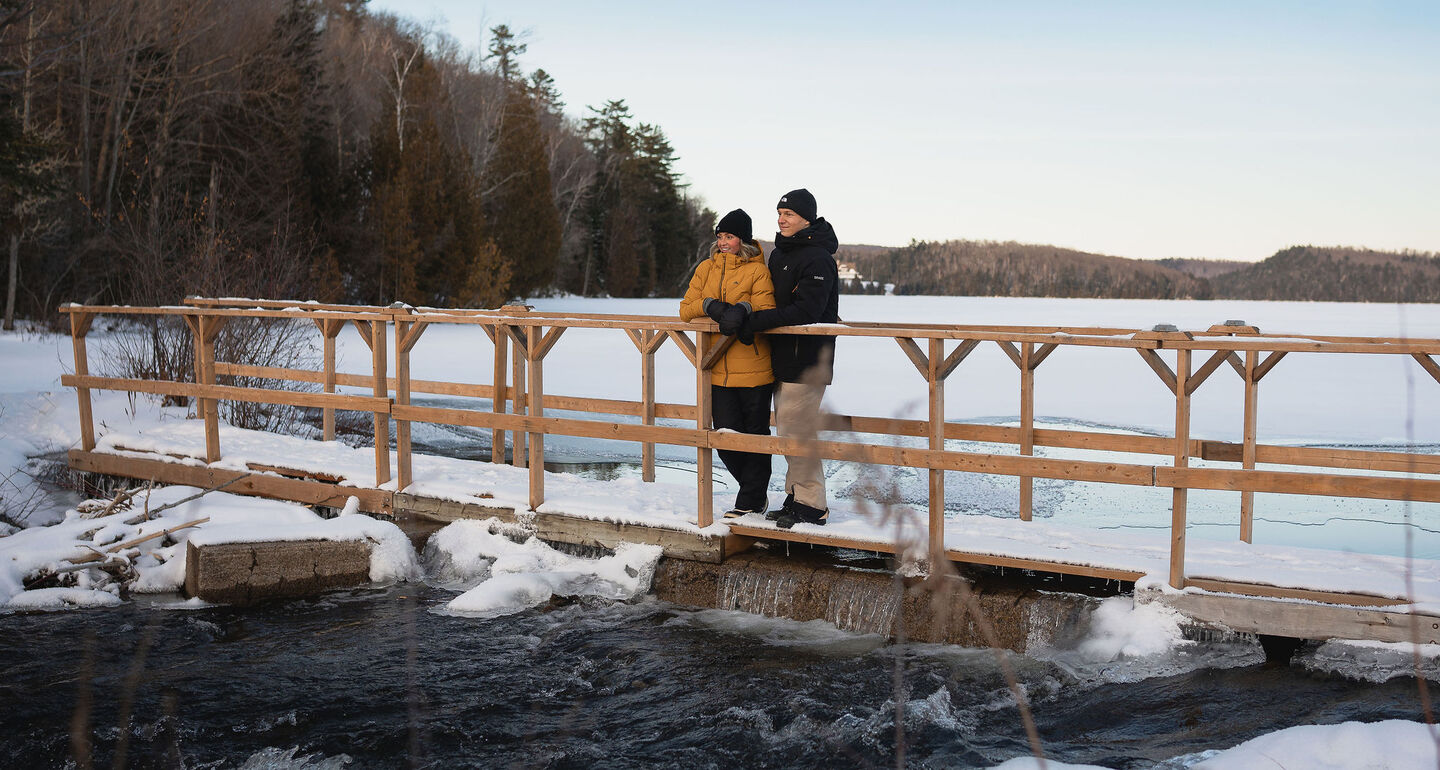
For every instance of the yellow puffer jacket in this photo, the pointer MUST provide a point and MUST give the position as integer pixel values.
(733, 278)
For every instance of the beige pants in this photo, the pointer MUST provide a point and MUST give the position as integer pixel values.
(797, 415)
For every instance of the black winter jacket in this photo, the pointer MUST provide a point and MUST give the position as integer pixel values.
(807, 291)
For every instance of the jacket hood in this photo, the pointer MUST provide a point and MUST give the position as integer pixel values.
(733, 260)
(819, 233)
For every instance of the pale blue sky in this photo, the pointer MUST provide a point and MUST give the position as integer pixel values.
(1224, 130)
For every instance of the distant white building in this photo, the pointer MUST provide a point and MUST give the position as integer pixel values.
(849, 273)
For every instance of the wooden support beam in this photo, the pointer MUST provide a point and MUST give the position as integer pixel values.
(407, 333)
(548, 343)
(1042, 353)
(717, 351)
(1011, 351)
(379, 363)
(80, 324)
(913, 352)
(657, 339)
(329, 329)
(1247, 457)
(705, 479)
(1428, 364)
(637, 337)
(1158, 364)
(936, 390)
(306, 491)
(1027, 425)
(499, 392)
(212, 327)
(1269, 363)
(228, 393)
(208, 409)
(1234, 360)
(517, 336)
(412, 335)
(647, 397)
(535, 362)
(1179, 496)
(79, 327)
(956, 356)
(520, 400)
(367, 333)
(682, 341)
(1203, 373)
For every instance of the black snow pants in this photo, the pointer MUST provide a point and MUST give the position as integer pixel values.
(745, 410)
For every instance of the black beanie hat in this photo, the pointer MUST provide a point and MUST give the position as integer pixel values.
(736, 223)
(799, 201)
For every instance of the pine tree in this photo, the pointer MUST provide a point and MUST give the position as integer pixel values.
(520, 212)
(426, 213)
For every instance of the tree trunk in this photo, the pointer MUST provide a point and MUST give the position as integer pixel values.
(14, 277)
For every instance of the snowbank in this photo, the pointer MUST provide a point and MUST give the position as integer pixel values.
(157, 565)
(508, 577)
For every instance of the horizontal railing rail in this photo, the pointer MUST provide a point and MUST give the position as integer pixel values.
(522, 338)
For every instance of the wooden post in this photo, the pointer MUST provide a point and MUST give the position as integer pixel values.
(203, 331)
(329, 330)
(1182, 460)
(535, 407)
(379, 359)
(705, 486)
(79, 327)
(1247, 457)
(497, 402)
(647, 341)
(407, 333)
(647, 402)
(519, 457)
(1027, 425)
(209, 329)
(935, 379)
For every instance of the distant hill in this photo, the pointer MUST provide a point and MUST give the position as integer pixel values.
(1010, 269)
(1336, 274)
(1203, 268)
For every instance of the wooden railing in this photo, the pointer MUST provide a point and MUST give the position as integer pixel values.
(936, 351)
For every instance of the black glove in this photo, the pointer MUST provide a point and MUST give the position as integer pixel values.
(733, 317)
(746, 334)
(714, 308)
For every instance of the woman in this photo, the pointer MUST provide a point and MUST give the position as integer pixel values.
(735, 276)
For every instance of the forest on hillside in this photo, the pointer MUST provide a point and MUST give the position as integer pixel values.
(1335, 274)
(1009, 269)
(152, 149)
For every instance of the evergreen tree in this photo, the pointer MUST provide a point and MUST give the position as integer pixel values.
(520, 212)
(642, 228)
(426, 212)
(504, 49)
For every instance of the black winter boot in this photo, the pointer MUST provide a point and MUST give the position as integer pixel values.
(801, 513)
(782, 510)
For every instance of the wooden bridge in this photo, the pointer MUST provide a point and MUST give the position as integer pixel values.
(522, 339)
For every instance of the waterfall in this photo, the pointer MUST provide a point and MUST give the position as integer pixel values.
(863, 608)
(759, 592)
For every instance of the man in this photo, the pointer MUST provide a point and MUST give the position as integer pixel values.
(807, 291)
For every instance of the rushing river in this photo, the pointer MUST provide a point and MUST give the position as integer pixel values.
(386, 678)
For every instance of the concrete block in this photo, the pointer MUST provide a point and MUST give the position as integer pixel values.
(246, 573)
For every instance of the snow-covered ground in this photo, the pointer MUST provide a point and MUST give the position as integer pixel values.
(1386, 403)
